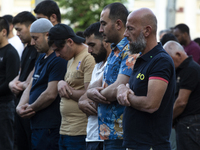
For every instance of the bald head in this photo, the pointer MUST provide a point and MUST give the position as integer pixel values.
(172, 47)
(176, 51)
(146, 17)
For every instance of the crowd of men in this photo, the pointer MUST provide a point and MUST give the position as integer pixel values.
(115, 88)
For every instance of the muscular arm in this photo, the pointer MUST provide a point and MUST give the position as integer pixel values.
(151, 102)
(181, 102)
(110, 92)
(46, 97)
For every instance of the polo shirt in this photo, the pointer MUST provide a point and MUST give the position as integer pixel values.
(52, 68)
(144, 130)
(188, 77)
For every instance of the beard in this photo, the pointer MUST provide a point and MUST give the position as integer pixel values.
(138, 45)
(101, 55)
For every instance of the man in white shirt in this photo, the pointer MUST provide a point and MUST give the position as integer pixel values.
(100, 50)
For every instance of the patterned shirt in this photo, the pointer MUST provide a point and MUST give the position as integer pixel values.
(110, 115)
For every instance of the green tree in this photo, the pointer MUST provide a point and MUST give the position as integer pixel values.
(82, 13)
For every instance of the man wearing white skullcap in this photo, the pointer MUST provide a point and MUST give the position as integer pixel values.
(40, 100)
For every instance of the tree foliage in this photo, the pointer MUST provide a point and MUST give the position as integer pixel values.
(82, 13)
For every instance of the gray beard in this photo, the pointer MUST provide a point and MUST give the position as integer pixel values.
(139, 45)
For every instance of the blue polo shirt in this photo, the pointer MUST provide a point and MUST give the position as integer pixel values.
(144, 130)
(46, 70)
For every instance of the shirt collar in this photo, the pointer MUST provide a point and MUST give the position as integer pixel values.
(153, 52)
(120, 45)
(185, 62)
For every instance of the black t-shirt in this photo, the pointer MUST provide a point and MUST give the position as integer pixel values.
(28, 59)
(9, 68)
(188, 77)
(144, 130)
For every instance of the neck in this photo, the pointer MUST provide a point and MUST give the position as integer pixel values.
(188, 41)
(10, 35)
(152, 42)
(79, 48)
(120, 35)
(4, 42)
(49, 52)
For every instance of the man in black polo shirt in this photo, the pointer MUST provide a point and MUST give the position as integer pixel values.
(186, 112)
(148, 116)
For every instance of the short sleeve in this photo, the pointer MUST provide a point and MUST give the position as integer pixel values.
(188, 80)
(162, 69)
(88, 66)
(124, 68)
(58, 70)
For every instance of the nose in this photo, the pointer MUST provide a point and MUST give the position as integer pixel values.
(101, 29)
(18, 33)
(125, 33)
(32, 41)
(89, 49)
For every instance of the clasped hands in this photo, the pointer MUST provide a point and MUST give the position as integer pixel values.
(25, 111)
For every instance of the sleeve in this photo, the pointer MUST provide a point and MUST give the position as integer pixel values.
(162, 69)
(58, 70)
(12, 69)
(188, 80)
(89, 64)
(124, 68)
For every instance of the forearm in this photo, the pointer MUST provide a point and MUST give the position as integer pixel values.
(76, 94)
(110, 93)
(25, 96)
(141, 103)
(178, 109)
(43, 101)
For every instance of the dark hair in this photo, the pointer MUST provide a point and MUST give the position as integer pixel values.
(47, 8)
(59, 43)
(183, 28)
(8, 18)
(4, 25)
(24, 17)
(197, 40)
(80, 33)
(117, 11)
(168, 37)
(93, 29)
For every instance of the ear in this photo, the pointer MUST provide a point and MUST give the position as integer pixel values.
(4, 32)
(119, 24)
(53, 19)
(10, 27)
(147, 31)
(69, 42)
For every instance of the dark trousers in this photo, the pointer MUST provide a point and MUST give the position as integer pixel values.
(94, 145)
(113, 145)
(45, 139)
(7, 113)
(22, 131)
(72, 142)
(188, 133)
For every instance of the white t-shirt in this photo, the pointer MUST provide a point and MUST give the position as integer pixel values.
(17, 44)
(92, 125)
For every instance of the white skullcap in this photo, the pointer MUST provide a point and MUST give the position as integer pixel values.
(41, 25)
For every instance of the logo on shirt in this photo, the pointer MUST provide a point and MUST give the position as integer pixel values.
(178, 79)
(1, 59)
(36, 76)
(140, 76)
(79, 63)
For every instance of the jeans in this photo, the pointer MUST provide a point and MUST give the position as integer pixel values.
(45, 139)
(113, 145)
(188, 133)
(7, 115)
(94, 145)
(72, 142)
